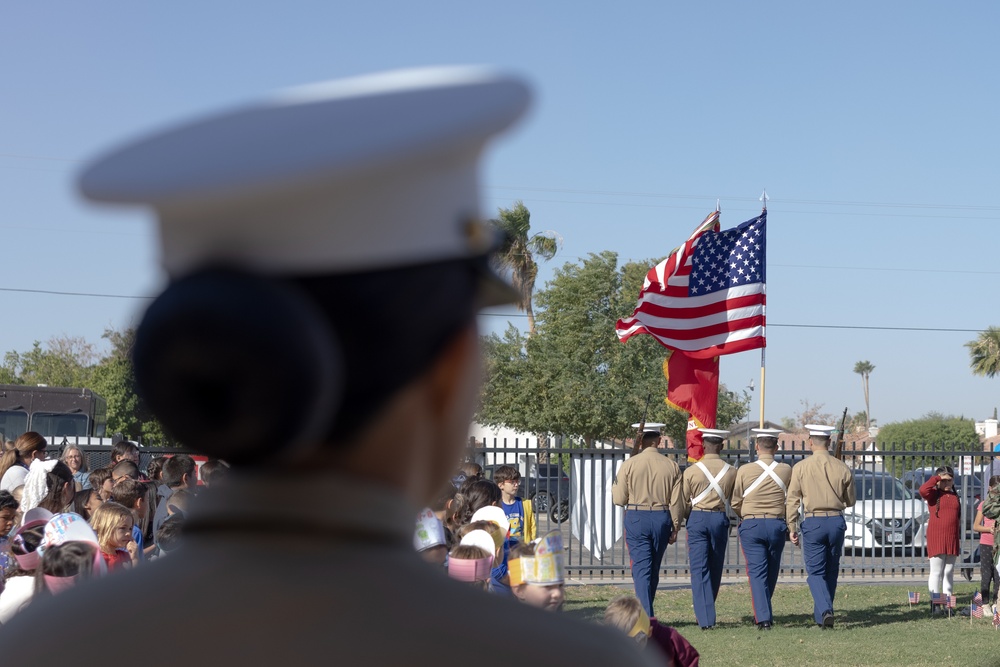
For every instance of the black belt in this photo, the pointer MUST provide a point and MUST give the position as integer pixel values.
(764, 516)
(831, 513)
(709, 511)
(648, 507)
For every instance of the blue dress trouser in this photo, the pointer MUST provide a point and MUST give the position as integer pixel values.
(822, 546)
(762, 541)
(708, 538)
(647, 533)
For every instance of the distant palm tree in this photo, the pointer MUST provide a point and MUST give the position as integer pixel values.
(518, 254)
(984, 353)
(864, 369)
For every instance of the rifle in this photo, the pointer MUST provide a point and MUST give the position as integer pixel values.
(839, 451)
(642, 427)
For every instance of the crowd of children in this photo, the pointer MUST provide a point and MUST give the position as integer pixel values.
(60, 522)
(485, 535)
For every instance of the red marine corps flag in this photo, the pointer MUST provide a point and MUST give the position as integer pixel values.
(706, 299)
(693, 387)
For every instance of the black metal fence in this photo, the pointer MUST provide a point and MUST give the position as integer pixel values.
(571, 490)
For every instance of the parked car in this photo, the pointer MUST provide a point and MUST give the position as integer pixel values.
(968, 487)
(886, 515)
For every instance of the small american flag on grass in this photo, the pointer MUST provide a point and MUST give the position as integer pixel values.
(996, 619)
(976, 610)
(937, 598)
(951, 601)
(914, 598)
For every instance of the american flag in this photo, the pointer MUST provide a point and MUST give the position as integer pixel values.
(914, 597)
(937, 598)
(976, 610)
(707, 298)
(996, 619)
(977, 598)
(952, 601)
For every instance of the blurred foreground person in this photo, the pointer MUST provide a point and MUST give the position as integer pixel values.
(326, 264)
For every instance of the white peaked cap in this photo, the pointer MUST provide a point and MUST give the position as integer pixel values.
(766, 432)
(649, 426)
(825, 431)
(714, 433)
(360, 174)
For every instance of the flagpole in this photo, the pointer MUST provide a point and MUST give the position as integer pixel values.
(763, 385)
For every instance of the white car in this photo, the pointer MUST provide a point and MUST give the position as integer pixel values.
(887, 515)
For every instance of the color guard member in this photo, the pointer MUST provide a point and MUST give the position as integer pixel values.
(759, 500)
(326, 260)
(822, 486)
(648, 486)
(708, 485)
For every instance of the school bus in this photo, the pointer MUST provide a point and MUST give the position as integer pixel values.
(51, 411)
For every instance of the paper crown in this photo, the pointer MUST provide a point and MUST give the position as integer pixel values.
(33, 518)
(67, 527)
(545, 568)
(495, 515)
(642, 626)
(819, 430)
(714, 433)
(470, 569)
(358, 174)
(485, 541)
(429, 532)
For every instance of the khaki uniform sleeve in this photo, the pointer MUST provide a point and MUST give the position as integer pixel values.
(794, 501)
(619, 488)
(736, 502)
(684, 497)
(677, 514)
(850, 493)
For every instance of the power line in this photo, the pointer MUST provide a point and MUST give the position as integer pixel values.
(60, 293)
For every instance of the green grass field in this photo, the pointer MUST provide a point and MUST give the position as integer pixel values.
(875, 626)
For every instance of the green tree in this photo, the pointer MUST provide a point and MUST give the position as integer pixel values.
(984, 353)
(114, 379)
(933, 433)
(864, 369)
(574, 377)
(62, 362)
(518, 254)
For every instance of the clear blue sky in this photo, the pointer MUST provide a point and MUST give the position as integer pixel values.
(873, 127)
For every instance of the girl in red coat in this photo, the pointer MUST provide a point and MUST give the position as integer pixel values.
(942, 530)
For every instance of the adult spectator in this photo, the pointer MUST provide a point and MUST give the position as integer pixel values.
(348, 200)
(823, 487)
(28, 447)
(759, 500)
(178, 473)
(76, 461)
(942, 532)
(648, 486)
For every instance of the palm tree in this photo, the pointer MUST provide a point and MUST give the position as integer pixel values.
(864, 369)
(984, 353)
(518, 254)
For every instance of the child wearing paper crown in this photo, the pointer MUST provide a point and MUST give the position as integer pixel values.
(470, 564)
(520, 513)
(536, 572)
(429, 538)
(626, 614)
(499, 581)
